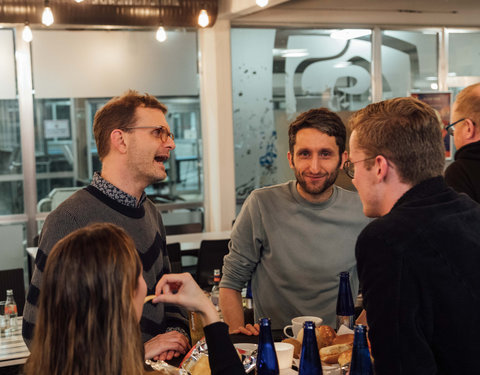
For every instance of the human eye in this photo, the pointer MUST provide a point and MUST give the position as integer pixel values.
(157, 132)
(303, 153)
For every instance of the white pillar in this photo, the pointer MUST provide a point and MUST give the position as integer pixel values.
(27, 131)
(217, 126)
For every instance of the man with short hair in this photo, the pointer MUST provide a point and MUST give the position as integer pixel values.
(292, 240)
(418, 261)
(464, 173)
(133, 142)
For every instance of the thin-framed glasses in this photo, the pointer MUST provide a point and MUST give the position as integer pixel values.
(451, 127)
(158, 132)
(349, 166)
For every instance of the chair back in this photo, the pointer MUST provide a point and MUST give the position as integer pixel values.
(210, 257)
(13, 279)
(175, 256)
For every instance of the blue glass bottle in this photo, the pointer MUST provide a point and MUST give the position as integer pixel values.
(309, 360)
(345, 307)
(267, 362)
(361, 362)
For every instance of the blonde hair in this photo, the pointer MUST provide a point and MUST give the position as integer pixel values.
(86, 322)
(468, 103)
(407, 132)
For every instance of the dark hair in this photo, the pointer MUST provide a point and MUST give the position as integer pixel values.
(406, 131)
(323, 120)
(119, 113)
(87, 324)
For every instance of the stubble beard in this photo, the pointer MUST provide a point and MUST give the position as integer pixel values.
(320, 189)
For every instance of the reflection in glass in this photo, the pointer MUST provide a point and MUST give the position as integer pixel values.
(284, 73)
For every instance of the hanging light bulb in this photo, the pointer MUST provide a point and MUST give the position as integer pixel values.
(203, 19)
(27, 35)
(262, 3)
(47, 15)
(161, 34)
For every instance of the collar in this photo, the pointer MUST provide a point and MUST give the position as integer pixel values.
(423, 190)
(115, 193)
(469, 151)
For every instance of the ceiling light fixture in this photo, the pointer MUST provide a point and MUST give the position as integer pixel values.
(47, 15)
(78, 1)
(203, 19)
(262, 3)
(161, 34)
(347, 34)
(27, 35)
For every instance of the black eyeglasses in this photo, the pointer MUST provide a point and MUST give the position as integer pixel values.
(158, 132)
(349, 166)
(451, 127)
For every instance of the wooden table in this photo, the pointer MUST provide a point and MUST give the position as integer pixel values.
(13, 350)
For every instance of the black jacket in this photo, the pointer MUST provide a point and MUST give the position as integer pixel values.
(420, 270)
(464, 173)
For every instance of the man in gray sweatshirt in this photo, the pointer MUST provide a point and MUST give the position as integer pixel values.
(133, 142)
(293, 239)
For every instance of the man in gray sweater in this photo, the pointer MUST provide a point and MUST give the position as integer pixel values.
(292, 240)
(133, 142)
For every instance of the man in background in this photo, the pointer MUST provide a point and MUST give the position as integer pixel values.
(293, 239)
(464, 173)
(418, 262)
(133, 142)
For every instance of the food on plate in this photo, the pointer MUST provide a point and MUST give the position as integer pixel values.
(344, 339)
(327, 335)
(330, 354)
(202, 367)
(345, 357)
(297, 346)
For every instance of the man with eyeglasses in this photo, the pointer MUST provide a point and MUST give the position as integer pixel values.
(292, 240)
(133, 142)
(464, 173)
(418, 262)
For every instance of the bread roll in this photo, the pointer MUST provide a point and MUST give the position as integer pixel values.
(329, 354)
(297, 346)
(327, 334)
(344, 358)
(343, 339)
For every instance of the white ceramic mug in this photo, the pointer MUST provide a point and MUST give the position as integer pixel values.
(284, 354)
(297, 324)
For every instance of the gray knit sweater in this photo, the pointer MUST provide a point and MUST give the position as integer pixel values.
(144, 224)
(293, 251)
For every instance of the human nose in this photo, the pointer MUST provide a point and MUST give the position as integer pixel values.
(170, 143)
(315, 164)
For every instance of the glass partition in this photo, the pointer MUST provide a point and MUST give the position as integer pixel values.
(77, 72)
(286, 72)
(409, 62)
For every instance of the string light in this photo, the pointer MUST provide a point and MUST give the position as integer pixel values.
(161, 34)
(27, 35)
(262, 3)
(203, 19)
(47, 15)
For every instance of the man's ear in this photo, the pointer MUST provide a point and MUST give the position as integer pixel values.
(117, 141)
(290, 160)
(471, 131)
(382, 168)
(344, 158)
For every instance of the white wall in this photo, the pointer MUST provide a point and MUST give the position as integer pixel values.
(90, 64)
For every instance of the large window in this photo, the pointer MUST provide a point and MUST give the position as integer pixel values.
(286, 72)
(11, 177)
(409, 62)
(77, 72)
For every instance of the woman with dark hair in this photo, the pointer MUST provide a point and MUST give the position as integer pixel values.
(91, 303)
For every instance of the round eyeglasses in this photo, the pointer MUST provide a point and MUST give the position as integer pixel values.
(349, 166)
(158, 131)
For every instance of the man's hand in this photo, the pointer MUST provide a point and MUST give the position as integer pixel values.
(165, 346)
(248, 330)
